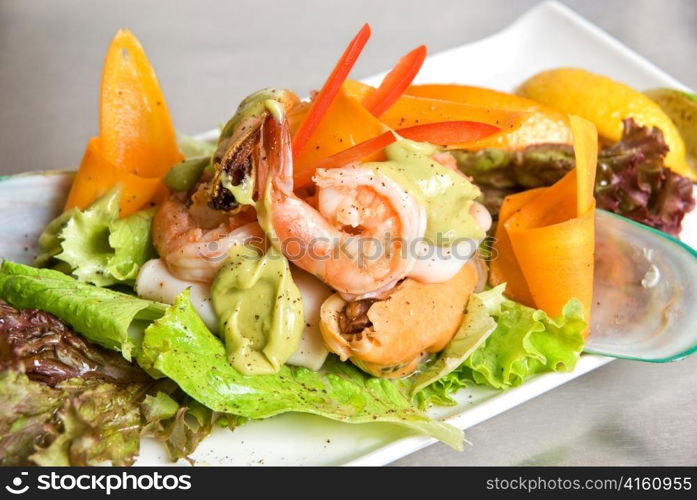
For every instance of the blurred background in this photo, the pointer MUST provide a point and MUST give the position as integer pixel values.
(209, 54)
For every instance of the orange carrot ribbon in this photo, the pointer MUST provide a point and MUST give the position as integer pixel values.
(546, 237)
(137, 144)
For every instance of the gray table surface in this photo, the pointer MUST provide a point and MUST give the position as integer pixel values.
(209, 54)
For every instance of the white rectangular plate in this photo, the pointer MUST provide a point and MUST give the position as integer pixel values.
(548, 36)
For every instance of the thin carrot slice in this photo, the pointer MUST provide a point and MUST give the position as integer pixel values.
(409, 111)
(136, 144)
(396, 82)
(478, 96)
(586, 152)
(542, 124)
(504, 267)
(97, 175)
(135, 127)
(554, 247)
(329, 90)
(551, 232)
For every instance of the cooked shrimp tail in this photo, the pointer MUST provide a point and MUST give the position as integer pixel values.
(354, 240)
(276, 164)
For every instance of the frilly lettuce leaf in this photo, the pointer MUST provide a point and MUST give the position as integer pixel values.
(197, 156)
(25, 408)
(111, 319)
(44, 348)
(88, 422)
(50, 241)
(179, 346)
(526, 341)
(130, 239)
(95, 245)
(631, 180)
(78, 422)
(184, 176)
(84, 240)
(67, 401)
(179, 422)
(159, 406)
(100, 423)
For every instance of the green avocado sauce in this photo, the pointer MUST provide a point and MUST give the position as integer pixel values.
(447, 195)
(250, 108)
(260, 309)
(244, 191)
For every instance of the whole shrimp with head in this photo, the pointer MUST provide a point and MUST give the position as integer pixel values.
(368, 229)
(193, 231)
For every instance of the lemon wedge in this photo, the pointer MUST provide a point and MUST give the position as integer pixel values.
(606, 102)
(681, 107)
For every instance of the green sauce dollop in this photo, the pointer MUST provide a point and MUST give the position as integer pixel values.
(260, 309)
(446, 194)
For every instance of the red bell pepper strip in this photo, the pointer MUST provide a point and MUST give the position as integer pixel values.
(442, 133)
(358, 152)
(395, 82)
(330, 89)
(446, 133)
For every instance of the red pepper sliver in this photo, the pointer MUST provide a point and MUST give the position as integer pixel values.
(447, 133)
(441, 133)
(395, 82)
(330, 89)
(358, 152)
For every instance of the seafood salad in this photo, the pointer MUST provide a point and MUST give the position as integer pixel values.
(360, 255)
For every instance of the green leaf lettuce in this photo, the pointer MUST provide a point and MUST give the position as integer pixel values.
(95, 245)
(180, 346)
(111, 319)
(179, 422)
(195, 148)
(525, 342)
(88, 422)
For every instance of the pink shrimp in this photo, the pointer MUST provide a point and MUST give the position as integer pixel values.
(194, 240)
(354, 240)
